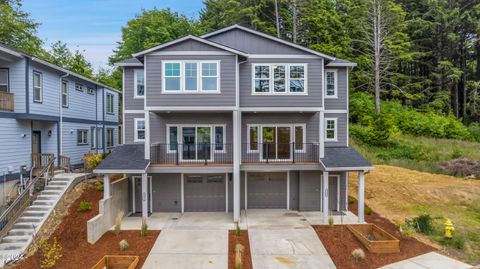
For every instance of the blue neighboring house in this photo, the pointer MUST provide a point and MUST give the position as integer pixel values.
(47, 109)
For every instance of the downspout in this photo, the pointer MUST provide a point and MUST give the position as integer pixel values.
(60, 122)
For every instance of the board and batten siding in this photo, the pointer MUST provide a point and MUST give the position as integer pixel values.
(16, 80)
(129, 125)
(341, 102)
(341, 130)
(314, 86)
(131, 103)
(15, 149)
(155, 97)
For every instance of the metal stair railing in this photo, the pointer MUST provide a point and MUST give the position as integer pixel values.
(13, 212)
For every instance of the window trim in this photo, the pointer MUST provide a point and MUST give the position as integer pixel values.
(82, 89)
(90, 91)
(82, 143)
(135, 135)
(199, 77)
(93, 137)
(113, 103)
(41, 86)
(106, 137)
(223, 150)
(292, 134)
(99, 138)
(212, 135)
(8, 77)
(335, 77)
(135, 86)
(335, 139)
(287, 79)
(65, 94)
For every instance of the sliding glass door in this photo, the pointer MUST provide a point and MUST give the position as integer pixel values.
(196, 143)
(276, 141)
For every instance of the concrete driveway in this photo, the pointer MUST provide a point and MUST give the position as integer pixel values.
(284, 239)
(431, 260)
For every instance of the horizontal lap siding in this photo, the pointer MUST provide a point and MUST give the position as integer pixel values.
(50, 92)
(341, 129)
(314, 86)
(226, 97)
(49, 143)
(112, 117)
(129, 125)
(70, 147)
(342, 83)
(80, 104)
(16, 82)
(15, 150)
(131, 103)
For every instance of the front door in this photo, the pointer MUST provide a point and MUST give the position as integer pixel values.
(276, 141)
(138, 193)
(36, 142)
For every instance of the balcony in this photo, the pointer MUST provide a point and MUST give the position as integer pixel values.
(280, 153)
(6, 101)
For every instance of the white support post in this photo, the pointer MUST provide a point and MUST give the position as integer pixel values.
(288, 190)
(144, 195)
(322, 134)
(361, 195)
(226, 192)
(236, 164)
(147, 134)
(134, 206)
(106, 186)
(182, 191)
(246, 188)
(325, 197)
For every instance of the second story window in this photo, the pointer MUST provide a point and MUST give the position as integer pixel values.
(331, 129)
(139, 88)
(79, 87)
(64, 93)
(139, 130)
(110, 103)
(82, 137)
(3, 80)
(279, 79)
(91, 91)
(37, 87)
(331, 84)
(191, 76)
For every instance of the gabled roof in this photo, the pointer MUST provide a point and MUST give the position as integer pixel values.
(190, 37)
(129, 62)
(128, 158)
(236, 26)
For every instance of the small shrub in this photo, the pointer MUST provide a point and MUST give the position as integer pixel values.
(49, 253)
(351, 200)
(118, 223)
(425, 224)
(358, 254)
(368, 210)
(144, 228)
(123, 245)
(406, 231)
(91, 160)
(238, 232)
(457, 242)
(330, 221)
(84, 206)
(239, 248)
(99, 186)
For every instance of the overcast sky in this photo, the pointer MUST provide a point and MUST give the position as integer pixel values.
(95, 25)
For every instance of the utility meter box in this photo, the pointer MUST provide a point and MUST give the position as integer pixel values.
(23, 169)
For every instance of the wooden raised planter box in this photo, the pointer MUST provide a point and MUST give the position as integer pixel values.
(117, 262)
(375, 239)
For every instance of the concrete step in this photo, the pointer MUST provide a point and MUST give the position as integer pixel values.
(15, 238)
(47, 197)
(11, 246)
(54, 188)
(25, 226)
(59, 171)
(21, 232)
(34, 213)
(61, 179)
(43, 202)
(51, 192)
(28, 219)
(58, 183)
(39, 208)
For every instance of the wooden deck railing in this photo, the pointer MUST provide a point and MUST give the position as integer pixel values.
(40, 160)
(65, 164)
(6, 101)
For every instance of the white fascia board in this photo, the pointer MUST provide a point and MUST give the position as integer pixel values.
(333, 169)
(11, 52)
(280, 109)
(118, 171)
(129, 64)
(190, 108)
(342, 65)
(236, 26)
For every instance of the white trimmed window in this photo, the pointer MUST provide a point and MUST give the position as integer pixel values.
(91, 91)
(79, 87)
(219, 138)
(139, 86)
(99, 137)
(279, 79)
(252, 138)
(64, 93)
(109, 137)
(139, 130)
(93, 138)
(191, 76)
(212, 135)
(109, 104)
(277, 134)
(37, 87)
(82, 137)
(330, 129)
(331, 84)
(4, 80)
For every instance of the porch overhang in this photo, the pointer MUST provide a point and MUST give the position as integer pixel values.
(344, 159)
(127, 159)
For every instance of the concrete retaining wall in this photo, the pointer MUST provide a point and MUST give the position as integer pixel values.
(108, 210)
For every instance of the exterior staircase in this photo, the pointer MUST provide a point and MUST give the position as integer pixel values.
(21, 234)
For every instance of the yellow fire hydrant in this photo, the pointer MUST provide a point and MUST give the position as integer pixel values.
(449, 229)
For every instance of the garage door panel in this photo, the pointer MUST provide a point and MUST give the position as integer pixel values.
(204, 193)
(267, 190)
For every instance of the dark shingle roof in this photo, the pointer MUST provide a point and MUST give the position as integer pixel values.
(125, 157)
(129, 62)
(344, 157)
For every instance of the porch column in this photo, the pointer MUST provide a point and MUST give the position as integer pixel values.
(144, 195)
(324, 197)
(321, 124)
(147, 135)
(106, 186)
(236, 164)
(361, 195)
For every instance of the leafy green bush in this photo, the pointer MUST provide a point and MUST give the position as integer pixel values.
(368, 210)
(457, 242)
(425, 224)
(474, 129)
(99, 186)
(84, 206)
(351, 200)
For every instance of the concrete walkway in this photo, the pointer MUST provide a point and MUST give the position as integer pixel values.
(191, 240)
(284, 239)
(430, 260)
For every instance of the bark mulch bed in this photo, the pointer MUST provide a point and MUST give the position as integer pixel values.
(71, 234)
(340, 243)
(233, 239)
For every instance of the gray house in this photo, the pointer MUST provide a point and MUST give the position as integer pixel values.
(47, 110)
(235, 119)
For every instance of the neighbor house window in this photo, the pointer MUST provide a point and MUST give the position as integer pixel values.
(110, 103)
(79, 87)
(139, 83)
(331, 84)
(90, 91)
(99, 137)
(82, 137)
(253, 138)
(37, 87)
(139, 130)
(172, 138)
(299, 137)
(331, 129)
(191, 76)
(279, 78)
(109, 137)
(4, 80)
(64, 93)
(93, 133)
(219, 138)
